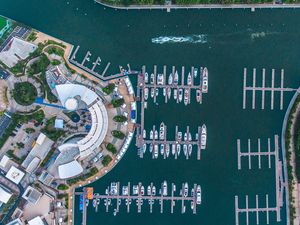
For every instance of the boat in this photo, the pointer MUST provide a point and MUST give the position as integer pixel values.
(170, 80)
(169, 92)
(144, 133)
(156, 91)
(153, 190)
(152, 78)
(155, 151)
(205, 80)
(146, 78)
(198, 195)
(152, 92)
(178, 148)
(189, 79)
(149, 190)
(162, 149)
(192, 205)
(186, 190)
(190, 137)
(142, 190)
(198, 95)
(160, 79)
(162, 131)
(180, 95)
(185, 137)
(165, 188)
(203, 137)
(185, 149)
(151, 134)
(186, 96)
(87, 202)
(175, 94)
(173, 149)
(179, 136)
(156, 134)
(176, 78)
(94, 203)
(151, 148)
(135, 189)
(190, 148)
(125, 190)
(196, 136)
(144, 147)
(167, 150)
(164, 91)
(146, 93)
(195, 72)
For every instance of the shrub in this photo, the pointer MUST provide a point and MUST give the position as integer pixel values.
(109, 88)
(118, 134)
(120, 118)
(106, 160)
(117, 102)
(110, 147)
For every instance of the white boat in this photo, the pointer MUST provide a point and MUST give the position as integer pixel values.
(175, 94)
(180, 95)
(94, 203)
(198, 95)
(152, 78)
(142, 190)
(125, 190)
(151, 134)
(149, 190)
(192, 205)
(160, 79)
(167, 150)
(156, 91)
(189, 79)
(185, 137)
(186, 96)
(144, 134)
(195, 72)
(170, 80)
(178, 148)
(156, 134)
(185, 149)
(198, 195)
(190, 137)
(179, 136)
(151, 148)
(205, 80)
(135, 189)
(146, 78)
(176, 78)
(155, 151)
(146, 93)
(173, 149)
(190, 148)
(162, 131)
(153, 190)
(164, 91)
(165, 188)
(169, 92)
(152, 92)
(144, 147)
(196, 136)
(186, 190)
(203, 137)
(162, 149)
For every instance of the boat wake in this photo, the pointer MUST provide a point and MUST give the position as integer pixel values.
(193, 39)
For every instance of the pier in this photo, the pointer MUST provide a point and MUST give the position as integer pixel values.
(279, 185)
(254, 88)
(115, 195)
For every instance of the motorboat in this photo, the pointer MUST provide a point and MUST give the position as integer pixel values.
(178, 149)
(198, 195)
(205, 80)
(152, 92)
(169, 92)
(94, 203)
(162, 131)
(164, 91)
(190, 148)
(186, 190)
(156, 91)
(167, 150)
(195, 72)
(146, 78)
(176, 78)
(180, 94)
(155, 151)
(190, 137)
(185, 149)
(135, 189)
(185, 137)
(144, 133)
(196, 136)
(186, 96)
(146, 93)
(189, 79)
(151, 148)
(153, 190)
(203, 137)
(175, 94)
(165, 188)
(170, 80)
(198, 95)
(173, 149)
(152, 78)
(160, 79)
(162, 149)
(125, 190)
(156, 134)
(142, 190)
(149, 190)
(179, 136)
(144, 147)
(151, 134)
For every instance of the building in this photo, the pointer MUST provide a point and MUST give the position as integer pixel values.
(5, 195)
(32, 195)
(41, 148)
(16, 50)
(15, 175)
(36, 221)
(15, 222)
(57, 75)
(59, 124)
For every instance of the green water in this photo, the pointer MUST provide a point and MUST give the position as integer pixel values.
(122, 37)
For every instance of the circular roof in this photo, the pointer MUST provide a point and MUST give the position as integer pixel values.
(71, 104)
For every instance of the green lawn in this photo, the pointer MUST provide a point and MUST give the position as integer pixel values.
(2, 22)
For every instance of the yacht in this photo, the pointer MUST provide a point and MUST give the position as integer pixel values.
(155, 151)
(175, 94)
(178, 148)
(152, 78)
(169, 92)
(146, 78)
(162, 149)
(156, 134)
(142, 190)
(198, 195)
(190, 148)
(144, 133)
(186, 190)
(205, 80)
(151, 148)
(198, 95)
(135, 189)
(180, 94)
(185, 137)
(173, 149)
(151, 134)
(152, 92)
(167, 150)
(170, 80)
(125, 190)
(179, 136)
(195, 72)
(165, 188)
(160, 79)
(149, 190)
(156, 91)
(153, 190)
(203, 137)
(144, 147)
(185, 149)
(162, 131)
(186, 96)
(189, 79)
(146, 93)
(176, 78)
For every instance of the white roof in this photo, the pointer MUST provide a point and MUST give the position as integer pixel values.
(15, 175)
(15, 222)
(36, 221)
(69, 170)
(4, 195)
(71, 104)
(4, 161)
(41, 139)
(59, 123)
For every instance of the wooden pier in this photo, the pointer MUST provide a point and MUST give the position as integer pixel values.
(254, 88)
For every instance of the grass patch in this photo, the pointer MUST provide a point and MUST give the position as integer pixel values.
(49, 129)
(55, 50)
(39, 66)
(108, 89)
(62, 187)
(32, 36)
(24, 93)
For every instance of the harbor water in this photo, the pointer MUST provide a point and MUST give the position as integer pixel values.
(225, 41)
